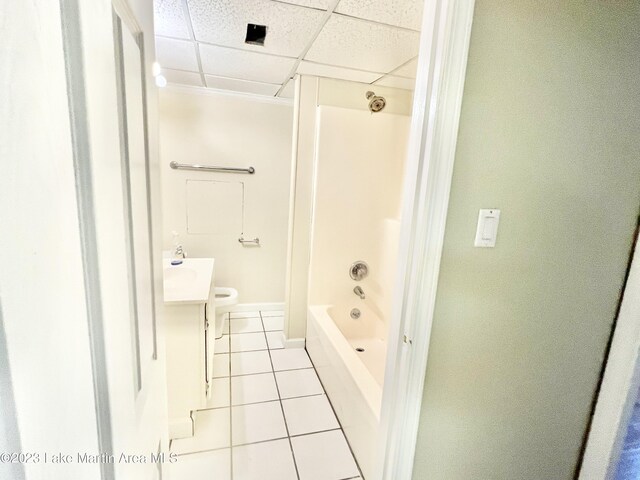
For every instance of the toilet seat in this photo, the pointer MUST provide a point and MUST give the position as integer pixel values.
(225, 296)
(225, 299)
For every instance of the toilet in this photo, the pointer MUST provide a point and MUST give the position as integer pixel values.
(226, 298)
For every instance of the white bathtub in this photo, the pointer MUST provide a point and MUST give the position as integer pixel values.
(353, 380)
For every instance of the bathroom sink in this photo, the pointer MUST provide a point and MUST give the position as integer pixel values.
(189, 282)
(177, 274)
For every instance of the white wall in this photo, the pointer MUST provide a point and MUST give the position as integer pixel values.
(360, 166)
(550, 134)
(233, 131)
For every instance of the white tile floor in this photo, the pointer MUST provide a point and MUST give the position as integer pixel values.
(269, 417)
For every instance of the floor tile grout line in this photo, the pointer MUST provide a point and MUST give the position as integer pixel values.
(217, 449)
(306, 434)
(256, 331)
(198, 452)
(259, 442)
(230, 408)
(337, 418)
(276, 371)
(253, 350)
(263, 401)
(284, 417)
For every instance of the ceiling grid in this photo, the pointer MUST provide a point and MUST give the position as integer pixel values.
(201, 42)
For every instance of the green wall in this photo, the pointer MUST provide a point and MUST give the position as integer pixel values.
(549, 134)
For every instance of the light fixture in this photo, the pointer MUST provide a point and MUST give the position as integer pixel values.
(161, 81)
(156, 69)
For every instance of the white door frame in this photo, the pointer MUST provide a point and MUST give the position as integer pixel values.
(619, 388)
(444, 47)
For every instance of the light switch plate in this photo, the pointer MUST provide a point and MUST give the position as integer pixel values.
(487, 229)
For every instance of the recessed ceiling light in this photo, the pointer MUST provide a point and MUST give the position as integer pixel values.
(161, 81)
(255, 34)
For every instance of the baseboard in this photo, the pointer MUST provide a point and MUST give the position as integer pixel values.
(254, 307)
(293, 342)
(180, 428)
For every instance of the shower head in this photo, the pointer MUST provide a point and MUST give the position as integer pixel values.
(376, 103)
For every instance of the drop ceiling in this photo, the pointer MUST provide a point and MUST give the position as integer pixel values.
(202, 42)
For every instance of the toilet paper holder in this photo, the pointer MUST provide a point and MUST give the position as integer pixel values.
(255, 241)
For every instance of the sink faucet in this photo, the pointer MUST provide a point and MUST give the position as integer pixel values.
(179, 252)
(358, 291)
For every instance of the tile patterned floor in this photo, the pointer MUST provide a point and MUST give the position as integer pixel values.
(269, 417)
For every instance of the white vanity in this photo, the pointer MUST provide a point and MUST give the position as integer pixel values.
(189, 332)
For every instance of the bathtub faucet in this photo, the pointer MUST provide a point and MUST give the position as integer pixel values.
(358, 291)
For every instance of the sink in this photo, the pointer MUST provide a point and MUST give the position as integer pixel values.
(189, 282)
(179, 274)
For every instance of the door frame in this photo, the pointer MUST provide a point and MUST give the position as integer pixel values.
(619, 388)
(442, 62)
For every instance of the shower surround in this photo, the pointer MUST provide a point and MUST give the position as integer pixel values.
(356, 217)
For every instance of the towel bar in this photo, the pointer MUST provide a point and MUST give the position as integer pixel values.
(208, 168)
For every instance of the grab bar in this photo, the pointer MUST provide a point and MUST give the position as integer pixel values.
(255, 241)
(207, 168)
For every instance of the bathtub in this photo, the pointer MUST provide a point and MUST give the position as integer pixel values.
(353, 379)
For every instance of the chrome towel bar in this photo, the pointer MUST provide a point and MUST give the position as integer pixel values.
(207, 168)
(255, 241)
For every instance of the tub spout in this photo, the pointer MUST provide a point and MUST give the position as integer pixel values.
(358, 291)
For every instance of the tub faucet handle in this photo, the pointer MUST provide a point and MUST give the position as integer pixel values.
(359, 270)
(359, 292)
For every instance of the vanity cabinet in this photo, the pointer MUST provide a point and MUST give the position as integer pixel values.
(189, 339)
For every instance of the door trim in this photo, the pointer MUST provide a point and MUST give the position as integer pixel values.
(444, 48)
(619, 388)
(79, 127)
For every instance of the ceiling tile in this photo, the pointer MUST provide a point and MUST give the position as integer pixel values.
(182, 78)
(321, 4)
(241, 85)
(321, 70)
(354, 43)
(396, 82)
(169, 18)
(176, 54)
(224, 22)
(257, 67)
(289, 89)
(402, 13)
(408, 69)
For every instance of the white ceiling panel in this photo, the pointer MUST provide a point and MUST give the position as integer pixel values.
(257, 67)
(354, 43)
(289, 89)
(182, 78)
(176, 54)
(396, 82)
(407, 70)
(224, 22)
(170, 19)
(321, 4)
(241, 85)
(401, 13)
(321, 70)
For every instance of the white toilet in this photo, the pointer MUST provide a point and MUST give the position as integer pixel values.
(226, 298)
